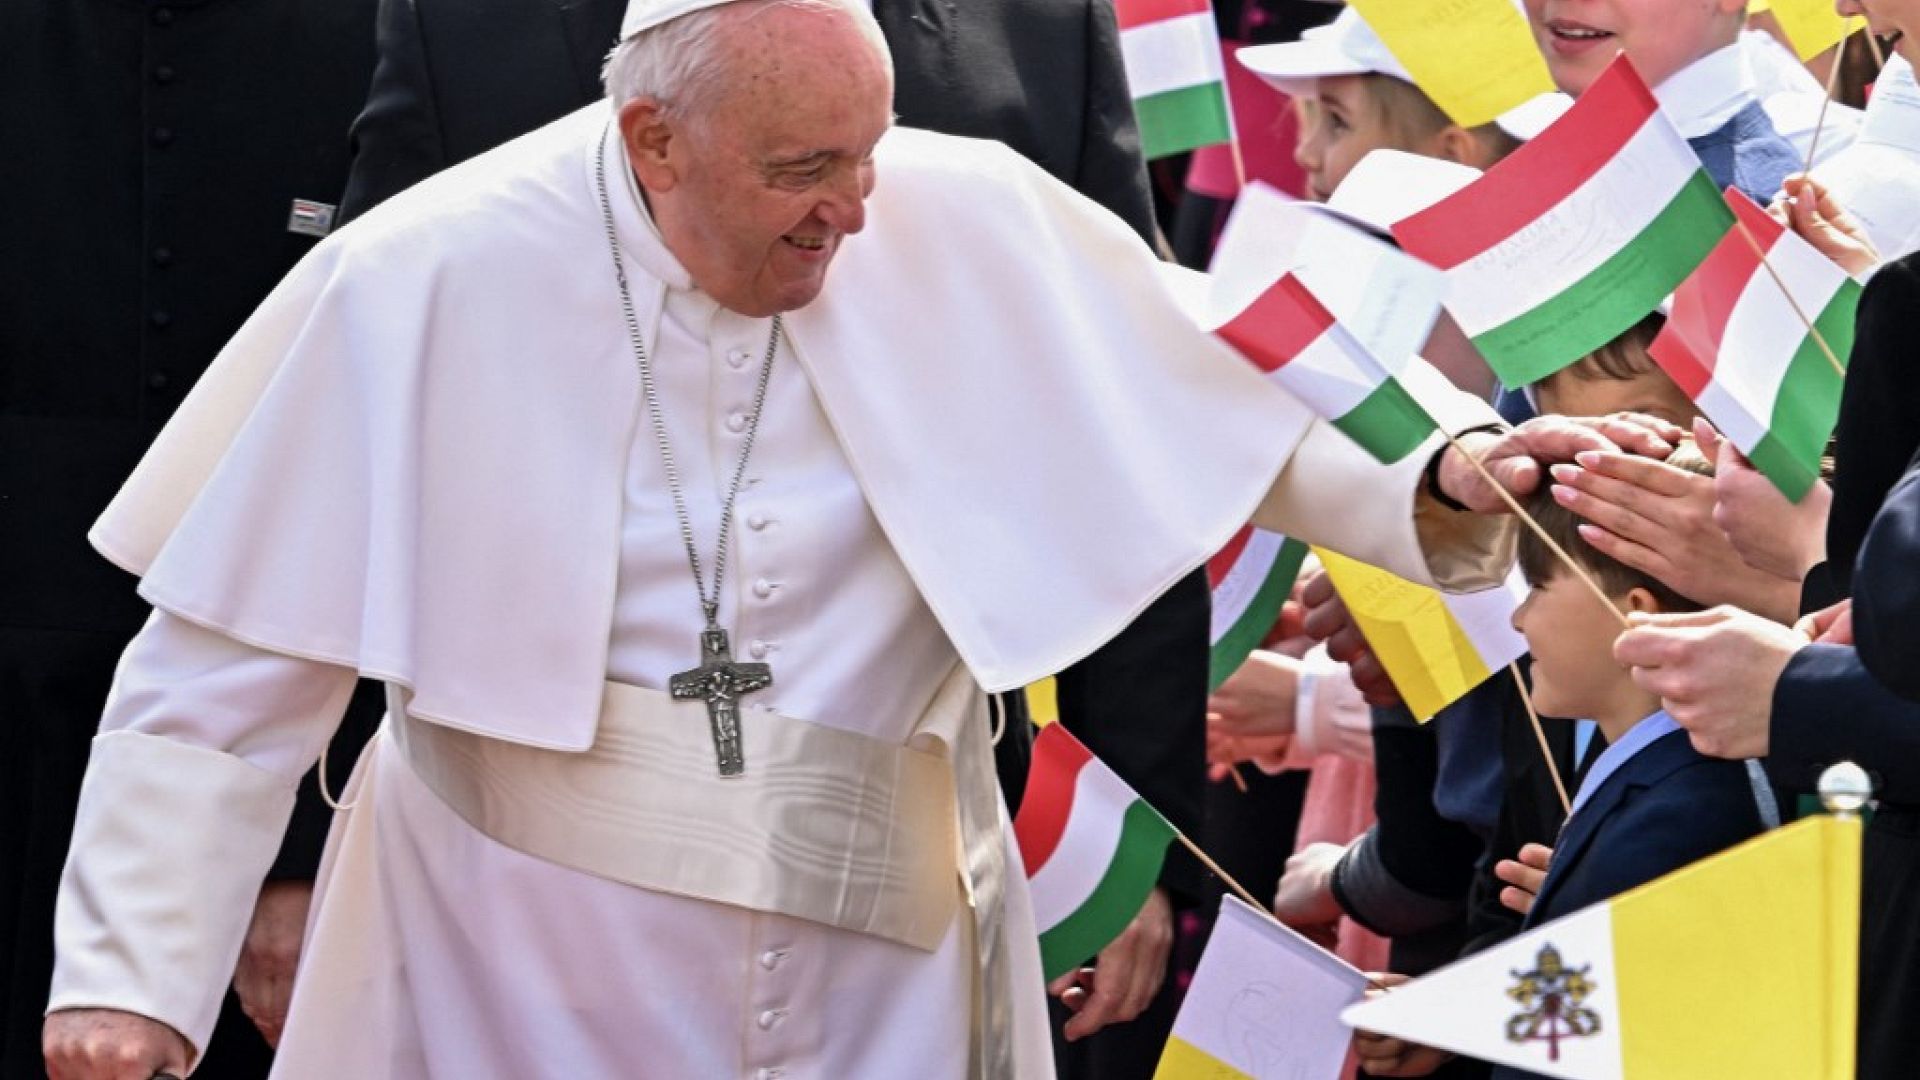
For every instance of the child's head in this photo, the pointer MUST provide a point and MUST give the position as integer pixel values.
(1579, 38)
(1619, 376)
(1571, 638)
(1350, 116)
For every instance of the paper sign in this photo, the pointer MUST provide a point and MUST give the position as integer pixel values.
(1475, 58)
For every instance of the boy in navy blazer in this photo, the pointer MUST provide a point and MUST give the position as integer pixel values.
(1651, 803)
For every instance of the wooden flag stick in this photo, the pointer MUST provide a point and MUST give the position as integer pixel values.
(1833, 81)
(1819, 339)
(1239, 165)
(1552, 545)
(1240, 890)
(1873, 46)
(1546, 753)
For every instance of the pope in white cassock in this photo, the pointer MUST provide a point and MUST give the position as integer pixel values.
(686, 564)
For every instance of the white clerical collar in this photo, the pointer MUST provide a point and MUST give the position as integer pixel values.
(640, 238)
(1701, 97)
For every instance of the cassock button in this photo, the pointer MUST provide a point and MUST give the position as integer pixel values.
(769, 1074)
(157, 380)
(771, 958)
(739, 357)
(770, 1019)
(164, 74)
(163, 256)
(737, 423)
(162, 16)
(757, 521)
(759, 650)
(763, 588)
(162, 136)
(160, 320)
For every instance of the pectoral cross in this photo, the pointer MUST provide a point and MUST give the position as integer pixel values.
(721, 683)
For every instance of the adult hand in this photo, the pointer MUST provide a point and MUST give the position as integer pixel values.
(1304, 899)
(1386, 1055)
(1659, 520)
(1515, 458)
(1782, 538)
(1125, 976)
(107, 1044)
(264, 977)
(1328, 620)
(1714, 671)
(1806, 207)
(1523, 876)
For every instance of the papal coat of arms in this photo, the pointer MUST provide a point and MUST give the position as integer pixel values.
(1550, 998)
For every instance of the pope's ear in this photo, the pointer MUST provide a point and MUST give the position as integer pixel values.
(649, 139)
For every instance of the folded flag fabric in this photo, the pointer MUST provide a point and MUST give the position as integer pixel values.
(1435, 646)
(1291, 336)
(1575, 236)
(1251, 578)
(1738, 346)
(1092, 849)
(1744, 964)
(1264, 1004)
(1171, 50)
(1475, 58)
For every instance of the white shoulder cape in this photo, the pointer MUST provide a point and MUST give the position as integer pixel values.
(410, 460)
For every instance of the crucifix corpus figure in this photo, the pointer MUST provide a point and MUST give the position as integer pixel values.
(720, 683)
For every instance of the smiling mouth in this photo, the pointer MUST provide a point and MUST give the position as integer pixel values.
(1575, 32)
(807, 243)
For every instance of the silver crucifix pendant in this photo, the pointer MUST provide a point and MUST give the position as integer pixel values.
(721, 683)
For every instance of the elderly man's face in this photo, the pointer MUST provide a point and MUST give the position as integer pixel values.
(755, 194)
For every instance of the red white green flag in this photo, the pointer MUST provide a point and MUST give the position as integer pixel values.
(1092, 848)
(1171, 49)
(1739, 348)
(1287, 333)
(1251, 578)
(1575, 236)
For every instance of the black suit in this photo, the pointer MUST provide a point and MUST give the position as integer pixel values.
(154, 153)
(459, 77)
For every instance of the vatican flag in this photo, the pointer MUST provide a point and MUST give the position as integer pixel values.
(1744, 964)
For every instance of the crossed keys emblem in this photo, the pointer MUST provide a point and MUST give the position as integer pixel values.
(1550, 998)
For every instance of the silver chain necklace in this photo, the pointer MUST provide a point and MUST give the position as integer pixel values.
(718, 681)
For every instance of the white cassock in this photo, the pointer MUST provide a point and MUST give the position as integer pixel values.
(425, 460)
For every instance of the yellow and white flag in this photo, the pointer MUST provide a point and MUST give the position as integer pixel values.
(1435, 646)
(1744, 964)
(1813, 26)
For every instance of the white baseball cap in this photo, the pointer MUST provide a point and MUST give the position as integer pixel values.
(1348, 46)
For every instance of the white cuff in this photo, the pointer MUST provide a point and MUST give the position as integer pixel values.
(170, 844)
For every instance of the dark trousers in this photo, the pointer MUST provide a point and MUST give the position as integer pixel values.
(52, 686)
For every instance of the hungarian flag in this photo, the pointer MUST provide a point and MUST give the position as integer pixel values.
(1575, 236)
(1092, 848)
(1287, 333)
(1743, 964)
(1738, 347)
(1171, 49)
(1251, 578)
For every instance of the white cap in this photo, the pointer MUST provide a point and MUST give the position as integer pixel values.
(1345, 46)
(1348, 46)
(647, 14)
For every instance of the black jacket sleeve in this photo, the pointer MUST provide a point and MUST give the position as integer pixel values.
(1827, 708)
(1139, 703)
(1111, 171)
(396, 139)
(1879, 426)
(1886, 608)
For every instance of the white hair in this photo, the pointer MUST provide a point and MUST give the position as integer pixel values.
(679, 63)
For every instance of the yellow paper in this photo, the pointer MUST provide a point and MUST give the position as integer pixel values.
(1811, 25)
(1475, 58)
(1043, 702)
(1757, 947)
(1181, 1060)
(1432, 661)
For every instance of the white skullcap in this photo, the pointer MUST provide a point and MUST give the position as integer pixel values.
(647, 14)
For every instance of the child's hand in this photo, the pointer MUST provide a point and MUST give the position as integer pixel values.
(1385, 1055)
(1523, 877)
(1806, 207)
